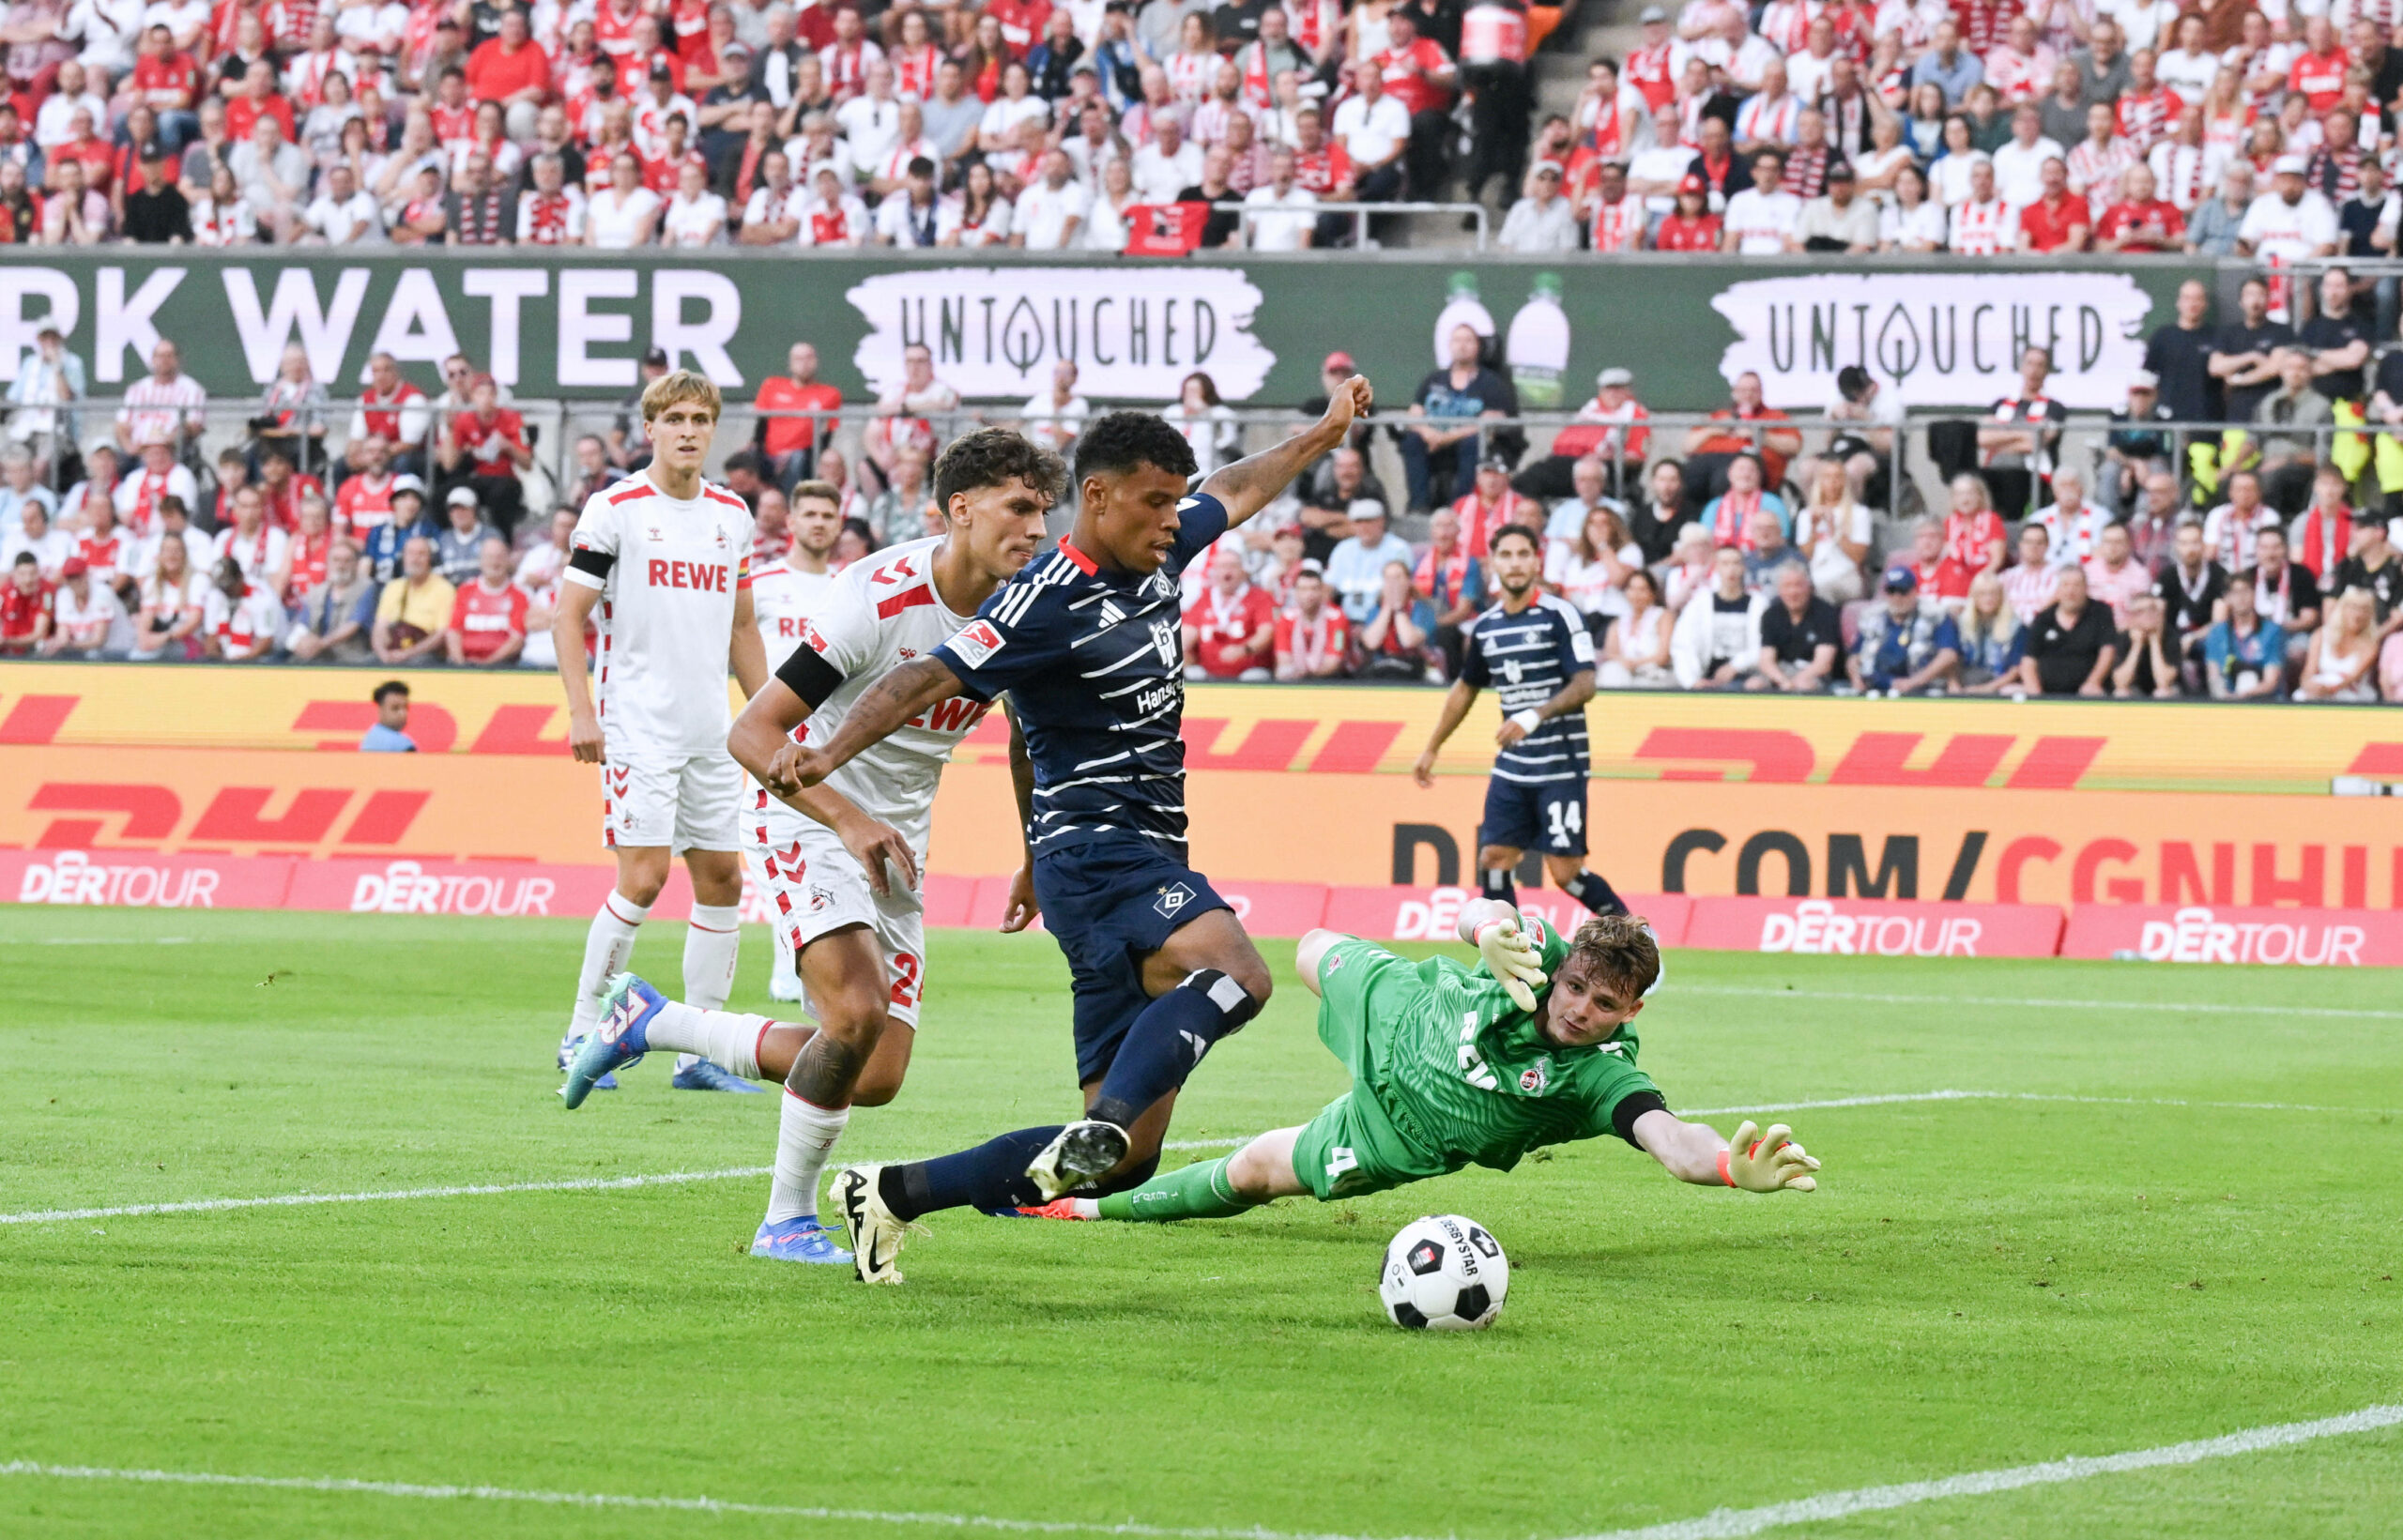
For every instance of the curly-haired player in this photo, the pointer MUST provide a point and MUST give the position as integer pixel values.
(842, 858)
(1472, 1066)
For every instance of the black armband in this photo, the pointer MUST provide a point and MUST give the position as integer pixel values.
(595, 562)
(1631, 1107)
(809, 676)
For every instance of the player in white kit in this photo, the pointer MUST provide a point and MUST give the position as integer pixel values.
(846, 887)
(783, 595)
(665, 558)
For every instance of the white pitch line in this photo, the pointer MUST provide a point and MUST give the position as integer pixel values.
(673, 1504)
(1828, 1507)
(580, 1184)
(297, 1200)
(2200, 1007)
(1721, 1524)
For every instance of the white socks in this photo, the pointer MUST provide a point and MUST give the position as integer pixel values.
(805, 1135)
(607, 947)
(729, 1039)
(711, 942)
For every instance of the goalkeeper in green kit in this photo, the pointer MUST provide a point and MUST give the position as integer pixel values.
(1453, 1066)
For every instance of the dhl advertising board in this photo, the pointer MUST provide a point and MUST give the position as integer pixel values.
(2040, 745)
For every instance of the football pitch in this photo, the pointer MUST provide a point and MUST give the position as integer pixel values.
(2164, 1207)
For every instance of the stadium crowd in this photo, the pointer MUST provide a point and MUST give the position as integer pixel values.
(1743, 554)
(694, 123)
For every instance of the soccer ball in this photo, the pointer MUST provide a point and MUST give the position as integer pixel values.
(1444, 1273)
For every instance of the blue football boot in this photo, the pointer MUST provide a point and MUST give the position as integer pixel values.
(619, 1041)
(801, 1239)
(700, 1075)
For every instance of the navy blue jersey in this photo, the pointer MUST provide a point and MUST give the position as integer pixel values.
(1093, 661)
(1526, 659)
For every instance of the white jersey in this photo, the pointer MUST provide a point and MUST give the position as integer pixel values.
(668, 572)
(881, 612)
(781, 600)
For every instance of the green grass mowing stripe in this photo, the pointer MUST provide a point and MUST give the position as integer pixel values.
(211, 1205)
(1722, 1524)
(1828, 1507)
(2205, 1007)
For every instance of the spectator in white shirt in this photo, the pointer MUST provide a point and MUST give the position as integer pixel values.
(71, 93)
(1374, 129)
(2019, 165)
(1050, 211)
(1167, 165)
(2070, 523)
(1657, 169)
(871, 121)
(1983, 223)
(2291, 220)
(88, 619)
(1542, 222)
(694, 216)
(1053, 418)
(344, 214)
(772, 217)
(1761, 220)
(910, 215)
(1288, 211)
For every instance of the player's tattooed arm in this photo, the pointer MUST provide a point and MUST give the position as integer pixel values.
(900, 694)
(1256, 480)
(1456, 705)
(1022, 907)
(1572, 697)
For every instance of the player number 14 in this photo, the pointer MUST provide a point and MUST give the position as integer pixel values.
(1568, 818)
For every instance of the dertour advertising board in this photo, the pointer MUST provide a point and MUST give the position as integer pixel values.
(575, 323)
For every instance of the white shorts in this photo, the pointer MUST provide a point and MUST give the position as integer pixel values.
(683, 801)
(814, 886)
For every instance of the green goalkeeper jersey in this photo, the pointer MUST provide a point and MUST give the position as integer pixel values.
(1460, 1070)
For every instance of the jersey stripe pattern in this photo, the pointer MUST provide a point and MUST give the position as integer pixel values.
(1526, 659)
(1094, 663)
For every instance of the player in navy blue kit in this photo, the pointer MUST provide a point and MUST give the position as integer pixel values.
(1533, 649)
(1087, 643)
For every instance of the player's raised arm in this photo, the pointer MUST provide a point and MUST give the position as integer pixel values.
(900, 694)
(761, 742)
(1754, 1161)
(1253, 482)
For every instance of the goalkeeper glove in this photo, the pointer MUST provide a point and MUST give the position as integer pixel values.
(1763, 1163)
(1510, 956)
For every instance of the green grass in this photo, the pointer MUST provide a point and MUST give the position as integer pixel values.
(1977, 1284)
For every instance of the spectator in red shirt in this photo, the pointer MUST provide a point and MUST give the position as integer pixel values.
(1417, 74)
(1692, 227)
(2139, 222)
(488, 618)
(1709, 449)
(1312, 639)
(1974, 531)
(168, 81)
(2058, 220)
(789, 444)
(486, 446)
(1231, 631)
(512, 71)
(258, 99)
(1023, 23)
(2319, 74)
(24, 607)
(1940, 577)
(1490, 504)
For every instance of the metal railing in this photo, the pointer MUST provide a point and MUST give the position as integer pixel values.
(1361, 213)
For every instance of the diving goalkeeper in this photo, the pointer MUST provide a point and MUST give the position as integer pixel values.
(1453, 1066)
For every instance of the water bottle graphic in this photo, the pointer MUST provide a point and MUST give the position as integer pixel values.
(1538, 347)
(1463, 308)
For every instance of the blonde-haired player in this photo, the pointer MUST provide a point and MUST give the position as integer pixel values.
(666, 555)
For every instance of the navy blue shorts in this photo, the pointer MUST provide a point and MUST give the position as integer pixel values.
(1110, 903)
(1549, 816)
